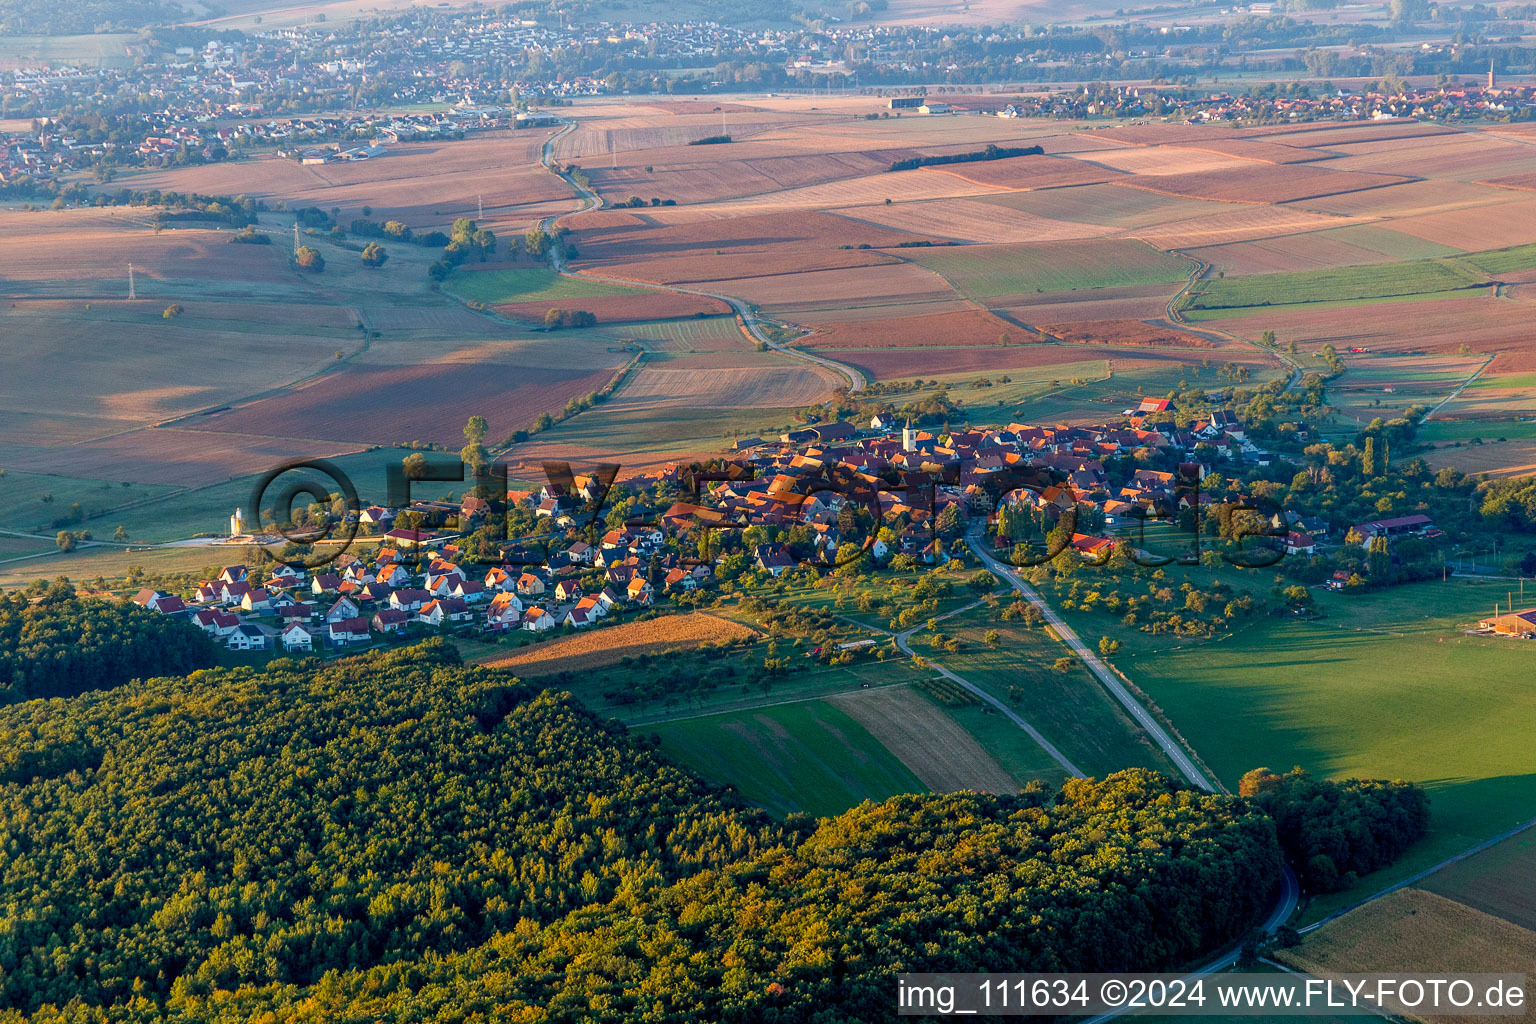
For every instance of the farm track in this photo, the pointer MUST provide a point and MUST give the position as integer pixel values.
(1176, 318)
(749, 319)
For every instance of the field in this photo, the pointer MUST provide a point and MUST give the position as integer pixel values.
(601, 647)
(989, 273)
(722, 380)
(610, 309)
(1382, 687)
(943, 756)
(530, 284)
(1417, 932)
(1495, 881)
(712, 334)
(805, 756)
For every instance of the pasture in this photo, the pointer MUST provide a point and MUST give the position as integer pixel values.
(806, 756)
(1384, 685)
(988, 273)
(529, 284)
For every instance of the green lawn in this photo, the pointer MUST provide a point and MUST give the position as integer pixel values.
(29, 502)
(984, 272)
(528, 284)
(1466, 430)
(1071, 708)
(808, 756)
(1385, 686)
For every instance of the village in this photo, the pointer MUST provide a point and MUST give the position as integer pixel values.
(814, 499)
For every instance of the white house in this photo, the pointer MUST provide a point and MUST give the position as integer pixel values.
(297, 637)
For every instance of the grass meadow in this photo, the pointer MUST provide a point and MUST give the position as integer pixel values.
(806, 756)
(1385, 685)
(528, 284)
(996, 271)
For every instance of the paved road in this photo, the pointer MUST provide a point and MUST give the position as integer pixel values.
(1176, 753)
(750, 320)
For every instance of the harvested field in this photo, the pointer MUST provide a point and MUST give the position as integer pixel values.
(668, 233)
(1239, 224)
(993, 272)
(897, 186)
(1264, 183)
(1029, 172)
(713, 334)
(746, 380)
(1413, 931)
(841, 289)
(599, 648)
(693, 177)
(1126, 332)
(1439, 325)
(402, 393)
(944, 756)
(949, 328)
(424, 184)
(611, 309)
(1107, 205)
(1466, 157)
(1332, 136)
(700, 269)
(1158, 161)
(898, 364)
(1487, 227)
(1516, 457)
(1407, 200)
(187, 458)
(972, 220)
(1145, 302)
(1496, 881)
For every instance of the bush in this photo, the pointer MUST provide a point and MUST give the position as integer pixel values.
(309, 259)
(172, 311)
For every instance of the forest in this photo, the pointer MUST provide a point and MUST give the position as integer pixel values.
(400, 837)
(57, 645)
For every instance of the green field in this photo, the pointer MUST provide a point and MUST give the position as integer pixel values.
(1384, 686)
(708, 334)
(23, 506)
(108, 49)
(1496, 881)
(1071, 708)
(807, 756)
(1009, 745)
(661, 431)
(528, 284)
(1466, 430)
(985, 272)
(1423, 277)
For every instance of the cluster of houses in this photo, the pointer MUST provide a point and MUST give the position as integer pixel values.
(356, 601)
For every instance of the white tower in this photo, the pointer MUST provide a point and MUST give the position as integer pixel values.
(908, 437)
(131, 294)
(295, 237)
(237, 523)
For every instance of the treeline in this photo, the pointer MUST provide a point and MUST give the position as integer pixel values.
(1334, 832)
(57, 645)
(992, 152)
(399, 837)
(236, 211)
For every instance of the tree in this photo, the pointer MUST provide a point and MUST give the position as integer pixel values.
(374, 254)
(536, 241)
(120, 534)
(309, 259)
(65, 540)
(172, 311)
(473, 453)
(1063, 665)
(1368, 458)
(1108, 646)
(415, 465)
(990, 638)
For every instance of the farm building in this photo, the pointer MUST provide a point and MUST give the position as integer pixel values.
(1395, 527)
(1521, 623)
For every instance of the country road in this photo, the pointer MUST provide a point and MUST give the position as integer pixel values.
(991, 701)
(748, 317)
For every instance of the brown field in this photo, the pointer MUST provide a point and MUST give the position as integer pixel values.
(898, 364)
(1139, 302)
(1484, 227)
(943, 756)
(677, 232)
(1264, 183)
(1031, 172)
(420, 183)
(1126, 332)
(1413, 931)
(701, 269)
(842, 289)
(1316, 250)
(1460, 158)
(1239, 224)
(966, 326)
(611, 309)
(1120, 209)
(897, 186)
(402, 393)
(1496, 881)
(1409, 199)
(1328, 135)
(599, 648)
(1162, 161)
(1495, 458)
(170, 456)
(736, 380)
(693, 178)
(972, 220)
(1484, 325)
